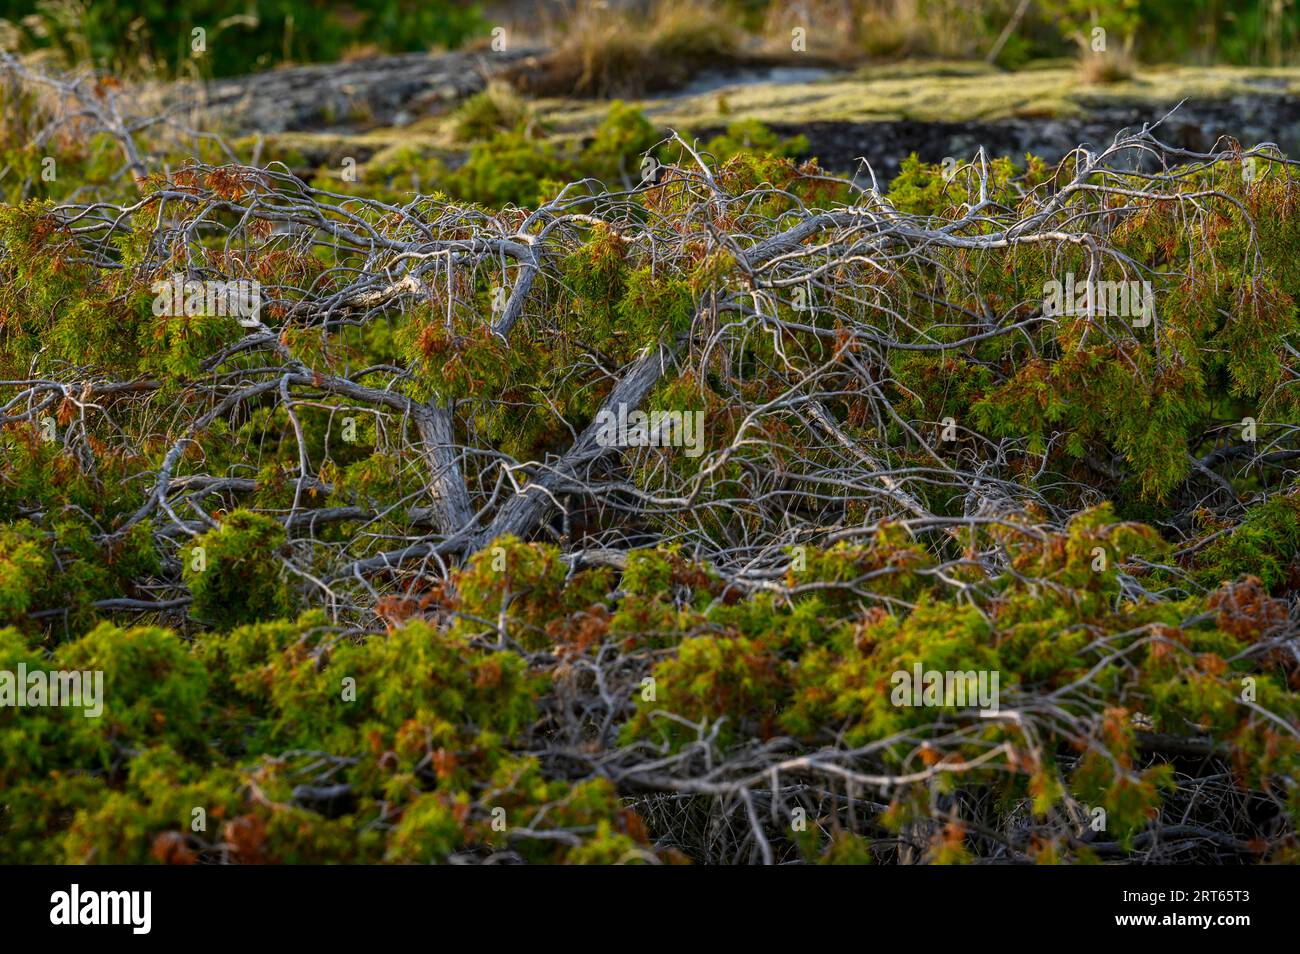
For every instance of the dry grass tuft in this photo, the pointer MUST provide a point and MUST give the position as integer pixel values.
(1101, 69)
(603, 52)
(848, 30)
(497, 109)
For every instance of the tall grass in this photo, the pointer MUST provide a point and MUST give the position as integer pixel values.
(889, 29)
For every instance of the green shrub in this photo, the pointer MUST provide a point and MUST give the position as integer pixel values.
(1266, 545)
(233, 573)
(510, 169)
(24, 566)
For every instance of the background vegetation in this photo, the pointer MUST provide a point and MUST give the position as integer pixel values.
(604, 45)
(366, 588)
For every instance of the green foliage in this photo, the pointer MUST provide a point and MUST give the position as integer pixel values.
(430, 712)
(233, 574)
(1243, 33)
(655, 307)
(754, 670)
(622, 137)
(426, 701)
(1266, 545)
(513, 166)
(195, 720)
(513, 161)
(497, 109)
(510, 169)
(523, 586)
(1141, 397)
(23, 568)
(931, 188)
(126, 37)
(1077, 17)
(751, 137)
(597, 275)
